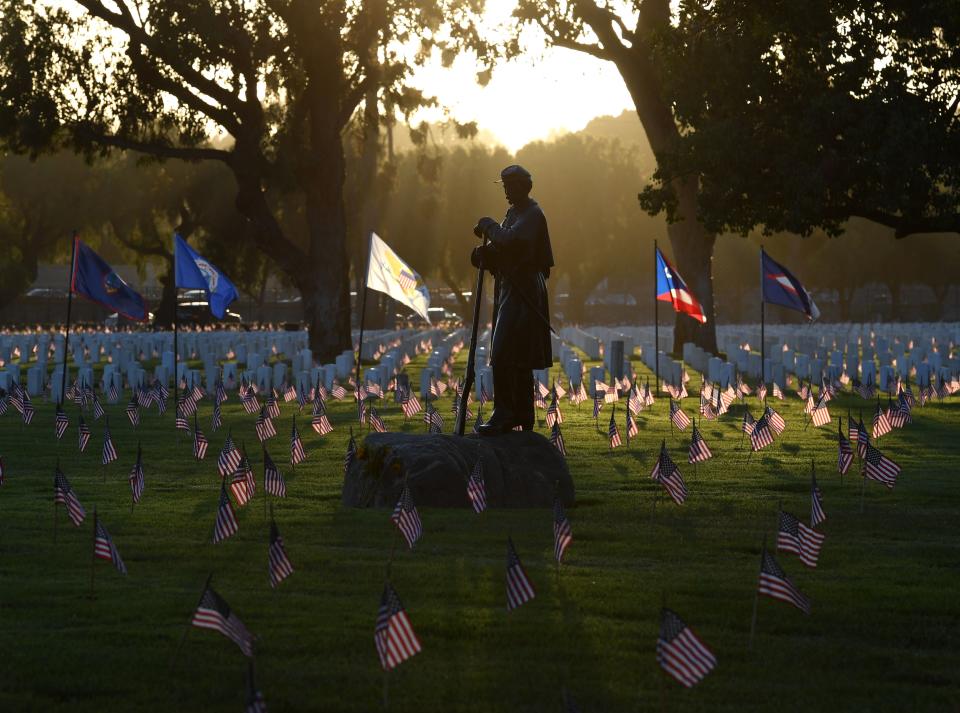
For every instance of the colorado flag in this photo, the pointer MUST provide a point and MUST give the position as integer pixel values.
(387, 273)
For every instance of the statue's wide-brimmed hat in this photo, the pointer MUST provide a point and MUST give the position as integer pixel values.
(515, 173)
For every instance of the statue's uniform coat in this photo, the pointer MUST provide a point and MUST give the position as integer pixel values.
(520, 256)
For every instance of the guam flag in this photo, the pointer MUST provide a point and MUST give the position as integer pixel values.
(94, 279)
(193, 271)
(780, 287)
(672, 288)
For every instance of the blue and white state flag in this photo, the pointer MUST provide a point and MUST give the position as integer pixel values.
(194, 272)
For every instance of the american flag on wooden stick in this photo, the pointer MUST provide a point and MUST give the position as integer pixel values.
(200, 442)
(63, 493)
(795, 537)
(214, 613)
(761, 436)
(699, 451)
(680, 652)
(817, 514)
(216, 420)
(773, 583)
(229, 458)
(666, 472)
(519, 587)
(406, 518)
(845, 451)
(775, 420)
(297, 453)
(278, 563)
(476, 488)
(393, 634)
(133, 412)
(351, 454)
(748, 422)
(60, 422)
(562, 533)
(273, 481)
(556, 438)
(136, 477)
(679, 418)
(104, 547)
(226, 523)
(612, 431)
(109, 452)
(881, 423)
(877, 466)
(264, 426)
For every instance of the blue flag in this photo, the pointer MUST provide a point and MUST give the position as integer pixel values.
(780, 287)
(196, 273)
(94, 279)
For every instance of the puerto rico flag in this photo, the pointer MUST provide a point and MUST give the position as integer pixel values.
(672, 288)
(780, 287)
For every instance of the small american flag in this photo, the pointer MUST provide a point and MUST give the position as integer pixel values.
(264, 427)
(2, 471)
(597, 403)
(761, 437)
(216, 421)
(61, 423)
(762, 391)
(775, 420)
(351, 454)
(279, 564)
(136, 477)
(272, 407)
(220, 392)
(795, 537)
(133, 412)
(631, 427)
(63, 493)
(476, 488)
(612, 431)
(434, 419)
(83, 434)
(881, 423)
(562, 534)
(820, 415)
(273, 481)
(229, 458)
(777, 391)
(556, 438)
(376, 423)
(845, 452)
(817, 514)
(407, 281)
(406, 518)
(699, 451)
(666, 473)
(297, 453)
(773, 583)
(554, 414)
(249, 400)
(877, 466)
(109, 452)
(680, 652)
(410, 403)
(393, 634)
(226, 524)
(242, 484)
(255, 701)
(519, 587)
(748, 422)
(338, 392)
(321, 424)
(98, 411)
(214, 613)
(103, 546)
(200, 442)
(180, 422)
(677, 416)
(634, 403)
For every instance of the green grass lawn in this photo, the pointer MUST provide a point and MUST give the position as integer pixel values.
(884, 633)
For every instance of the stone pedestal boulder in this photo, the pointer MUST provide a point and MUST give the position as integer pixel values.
(520, 469)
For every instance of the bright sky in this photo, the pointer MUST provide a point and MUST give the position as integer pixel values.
(545, 91)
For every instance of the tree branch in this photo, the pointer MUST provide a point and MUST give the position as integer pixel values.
(904, 226)
(154, 149)
(569, 44)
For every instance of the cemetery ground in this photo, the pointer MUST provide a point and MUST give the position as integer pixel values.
(882, 635)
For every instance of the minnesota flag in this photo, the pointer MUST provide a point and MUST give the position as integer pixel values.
(387, 273)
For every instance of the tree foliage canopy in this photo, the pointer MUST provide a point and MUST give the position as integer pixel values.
(796, 116)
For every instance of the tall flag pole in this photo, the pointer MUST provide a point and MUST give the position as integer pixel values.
(363, 310)
(656, 319)
(66, 340)
(763, 346)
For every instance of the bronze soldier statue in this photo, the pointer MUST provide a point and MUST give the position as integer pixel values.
(520, 257)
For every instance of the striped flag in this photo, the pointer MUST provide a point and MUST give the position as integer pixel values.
(775, 420)
(264, 426)
(410, 404)
(817, 514)
(795, 537)
(777, 391)
(98, 410)
(634, 403)
(273, 481)
(83, 434)
(761, 436)
(351, 454)
(677, 416)
(103, 546)
(881, 423)
(297, 453)
(519, 587)
(699, 451)
(820, 415)
(773, 583)
(612, 431)
(242, 484)
(845, 451)
(434, 419)
(60, 422)
(554, 414)
(226, 524)
(863, 438)
(214, 613)
(680, 652)
(2, 471)
(556, 438)
(200, 442)
(562, 534)
(877, 466)
(216, 421)
(272, 407)
(762, 391)
(133, 411)
(631, 427)
(376, 423)
(229, 458)
(109, 452)
(476, 488)
(63, 493)
(136, 477)
(393, 634)
(406, 518)
(748, 422)
(666, 473)
(279, 564)
(597, 403)
(180, 422)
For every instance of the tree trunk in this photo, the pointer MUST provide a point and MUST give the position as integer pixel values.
(168, 298)
(895, 289)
